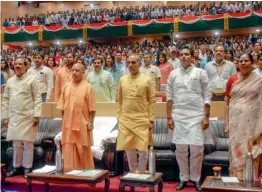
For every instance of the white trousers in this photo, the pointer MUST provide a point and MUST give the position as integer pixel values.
(23, 154)
(135, 165)
(196, 158)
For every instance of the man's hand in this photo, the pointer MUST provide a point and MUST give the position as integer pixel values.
(226, 130)
(35, 121)
(205, 123)
(170, 123)
(90, 126)
(151, 125)
(6, 123)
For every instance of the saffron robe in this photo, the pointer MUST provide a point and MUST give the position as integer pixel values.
(77, 101)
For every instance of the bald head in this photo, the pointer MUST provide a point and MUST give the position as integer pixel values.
(78, 72)
(80, 66)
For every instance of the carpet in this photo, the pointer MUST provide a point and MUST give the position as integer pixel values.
(18, 184)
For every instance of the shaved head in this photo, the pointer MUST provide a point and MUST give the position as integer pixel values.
(78, 72)
(80, 66)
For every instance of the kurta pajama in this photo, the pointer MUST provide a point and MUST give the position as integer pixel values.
(104, 86)
(190, 91)
(63, 77)
(21, 103)
(136, 108)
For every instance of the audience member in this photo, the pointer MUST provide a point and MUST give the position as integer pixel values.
(101, 15)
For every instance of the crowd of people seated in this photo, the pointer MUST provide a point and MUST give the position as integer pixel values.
(64, 18)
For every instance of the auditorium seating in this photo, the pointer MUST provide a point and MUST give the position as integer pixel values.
(44, 148)
(214, 155)
(217, 154)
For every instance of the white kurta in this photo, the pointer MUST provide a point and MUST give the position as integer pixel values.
(190, 91)
(153, 72)
(104, 85)
(45, 78)
(21, 103)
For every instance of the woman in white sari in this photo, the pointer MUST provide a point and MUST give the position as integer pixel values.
(243, 118)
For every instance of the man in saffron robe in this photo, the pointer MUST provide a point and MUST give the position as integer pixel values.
(78, 112)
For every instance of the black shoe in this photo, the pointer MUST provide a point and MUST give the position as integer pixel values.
(15, 171)
(181, 185)
(26, 171)
(197, 185)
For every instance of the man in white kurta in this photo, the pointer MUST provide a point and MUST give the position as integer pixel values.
(173, 60)
(152, 71)
(44, 76)
(188, 105)
(21, 109)
(102, 82)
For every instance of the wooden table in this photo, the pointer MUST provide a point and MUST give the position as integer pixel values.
(211, 185)
(61, 178)
(3, 175)
(150, 183)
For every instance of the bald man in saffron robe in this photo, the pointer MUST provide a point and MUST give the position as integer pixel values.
(78, 112)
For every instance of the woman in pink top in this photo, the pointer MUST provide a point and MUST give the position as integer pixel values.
(165, 67)
(52, 65)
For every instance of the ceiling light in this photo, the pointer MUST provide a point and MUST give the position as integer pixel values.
(30, 44)
(257, 30)
(80, 41)
(57, 42)
(177, 36)
(91, 5)
(216, 33)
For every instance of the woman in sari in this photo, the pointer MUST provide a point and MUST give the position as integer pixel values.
(243, 118)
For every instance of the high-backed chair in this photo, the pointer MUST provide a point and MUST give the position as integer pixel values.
(217, 154)
(165, 156)
(43, 149)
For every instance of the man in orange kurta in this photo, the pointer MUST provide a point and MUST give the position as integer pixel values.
(64, 76)
(78, 111)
